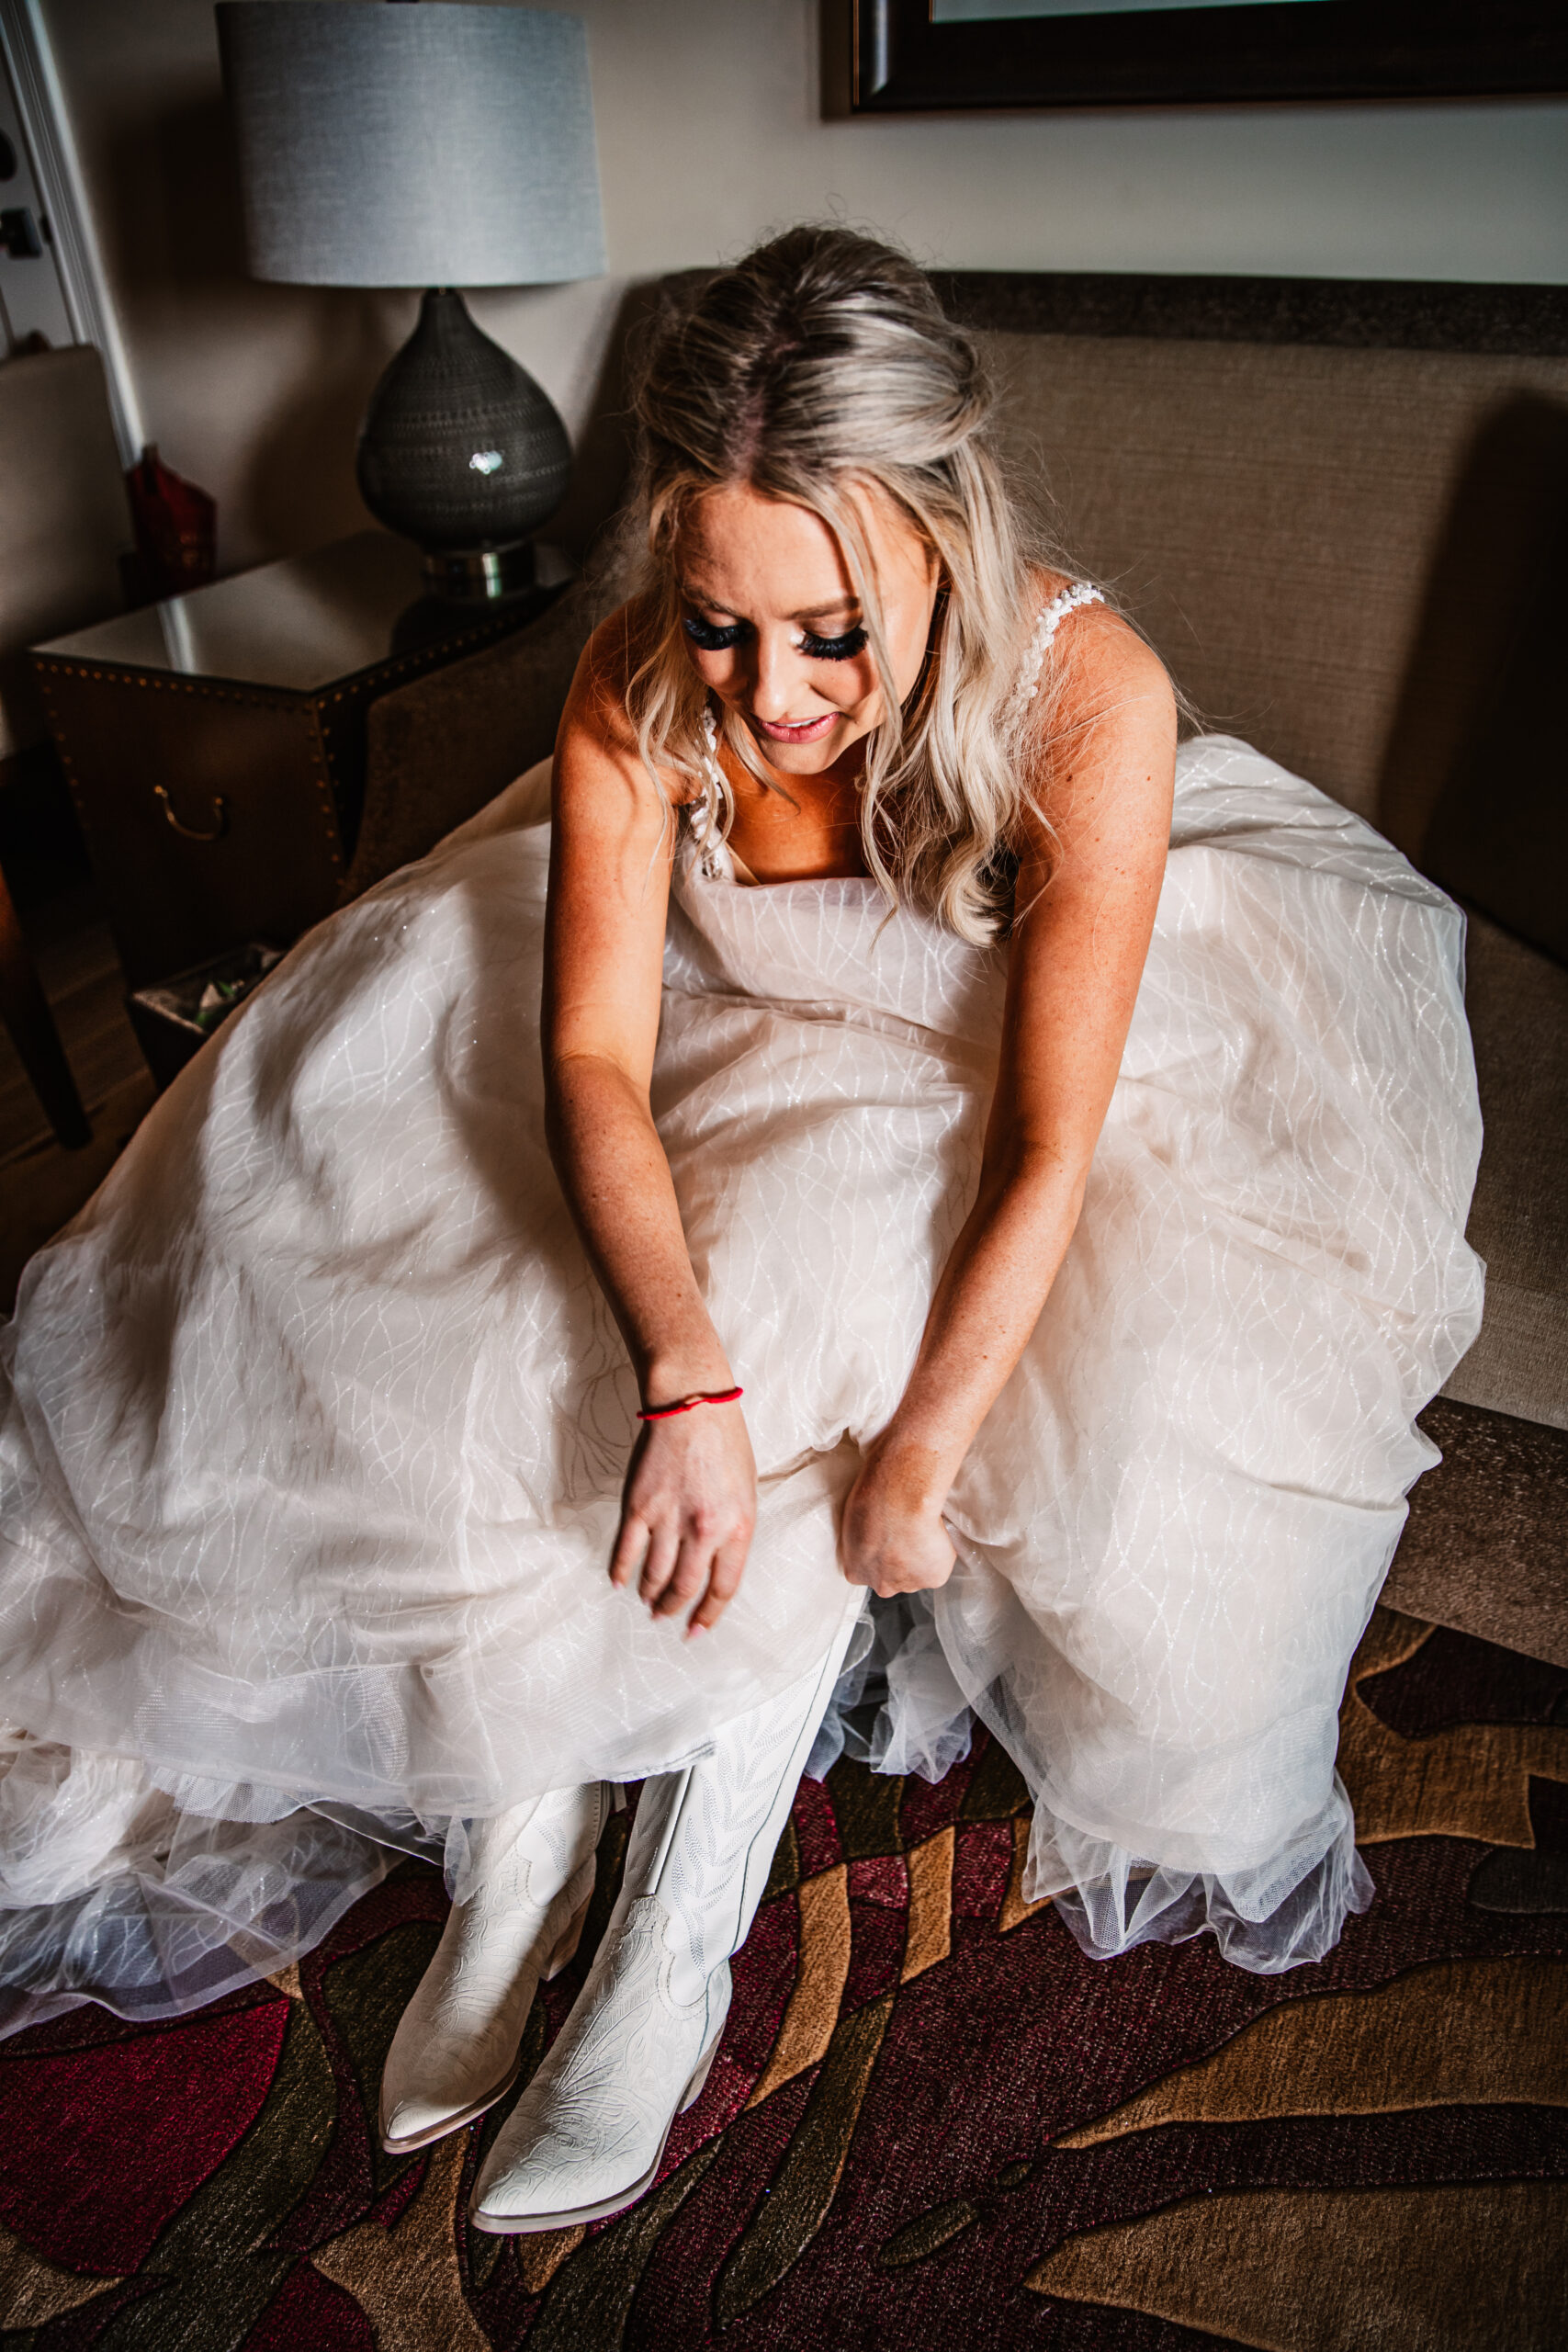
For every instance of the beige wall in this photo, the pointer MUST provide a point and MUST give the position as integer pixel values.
(709, 132)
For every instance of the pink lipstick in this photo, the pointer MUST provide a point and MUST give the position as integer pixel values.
(785, 731)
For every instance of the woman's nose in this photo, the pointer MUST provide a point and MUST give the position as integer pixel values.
(778, 675)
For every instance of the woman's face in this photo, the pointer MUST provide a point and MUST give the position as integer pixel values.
(773, 626)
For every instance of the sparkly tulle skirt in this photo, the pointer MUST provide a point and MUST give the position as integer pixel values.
(315, 1420)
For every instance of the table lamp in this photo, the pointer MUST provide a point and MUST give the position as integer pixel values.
(403, 142)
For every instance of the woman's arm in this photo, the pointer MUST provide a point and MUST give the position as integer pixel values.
(690, 1499)
(1088, 908)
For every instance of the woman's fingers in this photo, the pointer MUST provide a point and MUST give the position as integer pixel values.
(687, 1533)
(660, 1565)
(686, 1516)
(631, 1549)
(692, 1561)
(723, 1584)
(677, 1565)
(890, 1548)
(920, 1570)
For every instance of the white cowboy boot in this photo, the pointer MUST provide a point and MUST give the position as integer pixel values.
(587, 2135)
(455, 2051)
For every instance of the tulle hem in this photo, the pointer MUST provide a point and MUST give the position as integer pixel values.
(226, 1906)
(899, 1709)
(1264, 1920)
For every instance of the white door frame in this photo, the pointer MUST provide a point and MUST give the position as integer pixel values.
(46, 122)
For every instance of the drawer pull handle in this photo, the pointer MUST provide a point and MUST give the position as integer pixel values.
(189, 832)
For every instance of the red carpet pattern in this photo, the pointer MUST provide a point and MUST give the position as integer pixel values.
(932, 2122)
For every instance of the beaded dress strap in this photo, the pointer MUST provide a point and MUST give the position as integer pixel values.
(705, 833)
(1068, 601)
(711, 767)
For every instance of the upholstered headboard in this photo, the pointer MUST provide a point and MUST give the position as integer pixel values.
(1327, 505)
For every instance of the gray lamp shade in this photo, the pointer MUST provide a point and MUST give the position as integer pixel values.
(412, 145)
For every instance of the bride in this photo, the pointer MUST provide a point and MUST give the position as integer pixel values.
(903, 1125)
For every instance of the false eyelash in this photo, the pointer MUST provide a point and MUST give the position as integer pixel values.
(833, 649)
(711, 639)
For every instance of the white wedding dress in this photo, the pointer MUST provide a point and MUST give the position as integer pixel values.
(315, 1420)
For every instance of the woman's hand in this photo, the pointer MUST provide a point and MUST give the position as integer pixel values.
(687, 1514)
(892, 1537)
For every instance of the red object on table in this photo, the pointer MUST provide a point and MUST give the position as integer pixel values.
(176, 527)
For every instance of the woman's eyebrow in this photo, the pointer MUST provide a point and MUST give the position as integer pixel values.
(845, 603)
(691, 595)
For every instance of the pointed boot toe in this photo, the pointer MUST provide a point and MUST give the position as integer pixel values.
(415, 2123)
(454, 2053)
(588, 2135)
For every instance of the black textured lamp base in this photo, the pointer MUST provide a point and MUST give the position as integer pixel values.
(462, 452)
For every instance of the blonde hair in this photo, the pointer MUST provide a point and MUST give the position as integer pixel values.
(819, 367)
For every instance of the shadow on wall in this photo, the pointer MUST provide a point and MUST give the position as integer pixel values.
(298, 363)
(297, 489)
(603, 451)
(602, 466)
(175, 176)
(602, 457)
(1469, 707)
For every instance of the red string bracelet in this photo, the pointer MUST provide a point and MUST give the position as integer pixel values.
(690, 1404)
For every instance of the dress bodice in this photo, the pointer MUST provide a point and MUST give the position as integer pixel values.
(831, 949)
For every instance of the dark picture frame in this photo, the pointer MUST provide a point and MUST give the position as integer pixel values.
(1288, 49)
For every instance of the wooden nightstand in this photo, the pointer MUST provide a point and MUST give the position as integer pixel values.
(215, 744)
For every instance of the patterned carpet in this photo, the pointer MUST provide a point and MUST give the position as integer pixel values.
(932, 2124)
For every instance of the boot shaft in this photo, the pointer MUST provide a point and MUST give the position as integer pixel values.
(703, 1839)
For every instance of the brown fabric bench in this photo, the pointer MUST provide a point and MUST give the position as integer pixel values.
(1340, 513)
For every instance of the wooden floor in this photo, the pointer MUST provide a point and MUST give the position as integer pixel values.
(40, 1185)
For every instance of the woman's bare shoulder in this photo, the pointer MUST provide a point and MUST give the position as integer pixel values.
(597, 710)
(1104, 732)
(1099, 662)
(1092, 631)
(610, 659)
